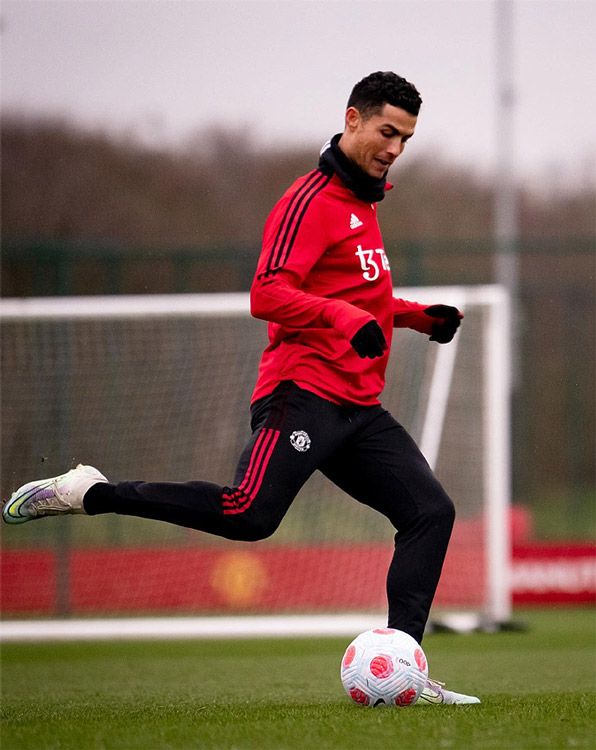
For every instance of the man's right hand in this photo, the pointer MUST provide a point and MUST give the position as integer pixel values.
(369, 341)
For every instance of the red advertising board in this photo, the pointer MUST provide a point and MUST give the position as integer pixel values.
(554, 574)
(263, 579)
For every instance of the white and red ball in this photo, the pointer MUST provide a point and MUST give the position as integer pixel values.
(384, 667)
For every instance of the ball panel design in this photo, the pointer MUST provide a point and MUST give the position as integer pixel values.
(382, 666)
(406, 697)
(359, 696)
(349, 656)
(421, 660)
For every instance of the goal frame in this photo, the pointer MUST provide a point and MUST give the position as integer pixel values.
(496, 424)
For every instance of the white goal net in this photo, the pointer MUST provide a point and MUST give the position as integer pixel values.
(158, 387)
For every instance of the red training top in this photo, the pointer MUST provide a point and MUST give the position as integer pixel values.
(322, 274)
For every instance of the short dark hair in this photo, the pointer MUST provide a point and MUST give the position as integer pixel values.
(371, 93)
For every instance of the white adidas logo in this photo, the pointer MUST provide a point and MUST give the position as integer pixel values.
(355, 222)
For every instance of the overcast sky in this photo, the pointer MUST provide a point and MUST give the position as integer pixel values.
(165, 68)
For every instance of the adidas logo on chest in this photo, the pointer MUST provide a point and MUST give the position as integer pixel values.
(355, 222)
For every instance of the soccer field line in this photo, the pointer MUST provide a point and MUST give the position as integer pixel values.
(133, 628)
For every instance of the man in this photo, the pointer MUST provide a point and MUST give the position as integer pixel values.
(323, 283)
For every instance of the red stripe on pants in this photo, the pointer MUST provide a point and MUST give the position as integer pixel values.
(240, 500)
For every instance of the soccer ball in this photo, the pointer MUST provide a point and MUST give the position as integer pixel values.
(384, 667)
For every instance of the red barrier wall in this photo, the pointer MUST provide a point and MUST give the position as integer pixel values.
(273, 579)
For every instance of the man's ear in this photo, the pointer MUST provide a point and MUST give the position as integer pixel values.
(353, 118)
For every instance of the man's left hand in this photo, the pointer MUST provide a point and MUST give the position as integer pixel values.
(447, 323)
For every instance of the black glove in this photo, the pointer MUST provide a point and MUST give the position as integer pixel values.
(449, 319)
(369, 341)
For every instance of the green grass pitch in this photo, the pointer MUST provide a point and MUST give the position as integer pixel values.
(538, 689)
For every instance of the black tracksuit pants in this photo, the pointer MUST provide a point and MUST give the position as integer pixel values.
(363, 450)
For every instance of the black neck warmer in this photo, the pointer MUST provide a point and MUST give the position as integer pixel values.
(365, 187)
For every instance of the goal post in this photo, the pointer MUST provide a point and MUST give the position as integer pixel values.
(496, 438)
(157, 388)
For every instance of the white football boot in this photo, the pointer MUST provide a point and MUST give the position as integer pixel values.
(51, 497)
(434, 693)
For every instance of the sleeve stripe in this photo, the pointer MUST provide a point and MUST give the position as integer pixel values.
(292, 218)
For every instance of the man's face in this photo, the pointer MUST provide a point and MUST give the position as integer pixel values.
(375, 143)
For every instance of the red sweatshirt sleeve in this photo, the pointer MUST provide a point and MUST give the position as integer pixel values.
(408, 314)
(280, 300)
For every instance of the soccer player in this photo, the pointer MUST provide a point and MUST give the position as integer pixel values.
(323, 284)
